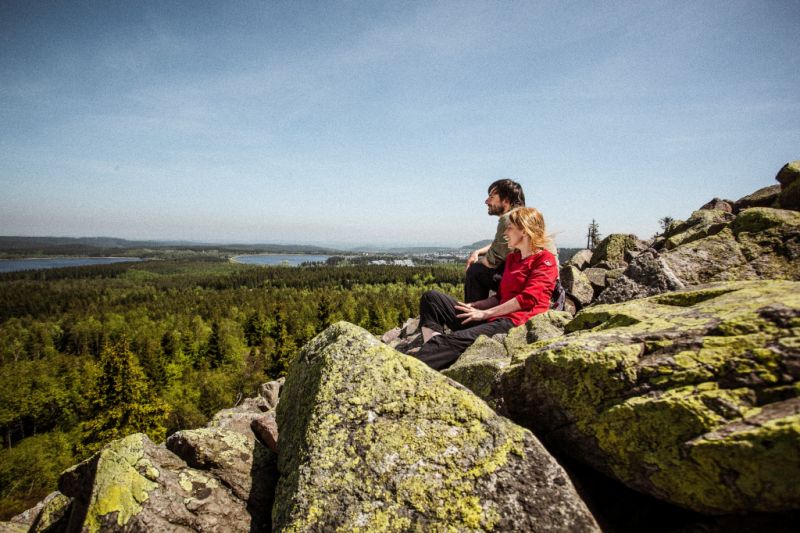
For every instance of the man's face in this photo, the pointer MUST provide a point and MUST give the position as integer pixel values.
(496, 206)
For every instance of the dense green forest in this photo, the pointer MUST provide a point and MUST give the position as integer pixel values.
(90, 354)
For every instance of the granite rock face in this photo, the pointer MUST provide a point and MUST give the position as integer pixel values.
(692, 397)
(134, 485)
(375, 440)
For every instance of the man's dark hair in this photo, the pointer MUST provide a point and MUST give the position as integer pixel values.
(509, 190)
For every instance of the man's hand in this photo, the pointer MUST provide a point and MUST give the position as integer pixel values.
(471, 259)
(470, 314)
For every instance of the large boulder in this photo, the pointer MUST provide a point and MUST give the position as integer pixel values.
(691, 396)
(375, 440)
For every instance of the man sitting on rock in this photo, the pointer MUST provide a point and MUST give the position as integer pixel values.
(485, 266)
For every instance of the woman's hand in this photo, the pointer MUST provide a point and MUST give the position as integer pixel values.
(470, 313)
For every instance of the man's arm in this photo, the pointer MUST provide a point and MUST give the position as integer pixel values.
(476, 256)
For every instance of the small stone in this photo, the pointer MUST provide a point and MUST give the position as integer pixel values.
(266, 430)
(271, 392)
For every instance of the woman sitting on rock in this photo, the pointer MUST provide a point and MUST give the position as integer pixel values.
(528, 280)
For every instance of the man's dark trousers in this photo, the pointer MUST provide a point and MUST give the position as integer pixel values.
(480, 280)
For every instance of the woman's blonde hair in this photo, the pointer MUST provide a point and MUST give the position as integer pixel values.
(531, 222)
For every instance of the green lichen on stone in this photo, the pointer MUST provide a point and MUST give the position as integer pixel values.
(193, 481)
(479, 366)
(404, 445)
(688, 298)
(759, 219)
(702, 223)
(612, 248)
(789, 173)
(641, 382)
(119, 485)
(53, 511)
(764, 457)
(219, 445)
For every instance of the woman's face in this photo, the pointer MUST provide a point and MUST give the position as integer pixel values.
(514, 236)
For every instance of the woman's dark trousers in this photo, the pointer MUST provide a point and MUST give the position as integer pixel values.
(437, 310)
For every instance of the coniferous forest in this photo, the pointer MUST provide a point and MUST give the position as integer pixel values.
(91, 354)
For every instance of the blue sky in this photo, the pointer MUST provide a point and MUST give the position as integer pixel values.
(348, 123)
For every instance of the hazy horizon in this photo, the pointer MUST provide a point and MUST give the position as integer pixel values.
(384, 123)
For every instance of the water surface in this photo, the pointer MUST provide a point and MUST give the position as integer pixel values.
(279, 259)
(15, 265)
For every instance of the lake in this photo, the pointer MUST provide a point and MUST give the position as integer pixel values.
(15, 265)
(279, 259)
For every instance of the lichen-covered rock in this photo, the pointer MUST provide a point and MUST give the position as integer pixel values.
(761, 243)
(135, 486)
(611, 250)
(576, 284)
(580, 260)
(375, 440)
(231, 457)
(702, 223)
(597, 277)
(53, 514)
(479, 366)
(647, 275)
(41, 516)
(764, 197)
(13, 527)
(788, 174)
(689, 396)
(541, 327)
(790, 196)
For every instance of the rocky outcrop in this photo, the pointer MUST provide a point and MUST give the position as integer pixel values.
(758, 243)
(689, 396)
(217, 478)
(756, 237)
(374, 440)
(134, 485)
